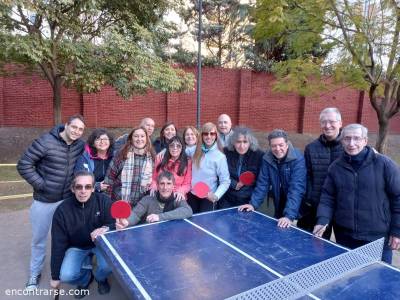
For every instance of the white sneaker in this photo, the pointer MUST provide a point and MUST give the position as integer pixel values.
(33, 283)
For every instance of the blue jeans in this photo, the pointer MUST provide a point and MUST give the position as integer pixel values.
(77, 265)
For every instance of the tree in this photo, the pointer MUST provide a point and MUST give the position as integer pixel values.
(226, 30)
(362, 38)
(89, 43)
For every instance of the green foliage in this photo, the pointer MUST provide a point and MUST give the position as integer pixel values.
(86, 44)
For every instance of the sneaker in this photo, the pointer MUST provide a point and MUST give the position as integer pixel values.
(33, 283)
(83, 289)
(103, 287)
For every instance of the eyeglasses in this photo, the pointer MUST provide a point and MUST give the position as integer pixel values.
(325, 122)
(356, 139)
(175, 145)
(214, 134)
(102, 140)
(80, 187)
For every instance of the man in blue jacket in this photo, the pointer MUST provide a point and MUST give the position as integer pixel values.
(361, 194)
(283, 170)
(48, 165)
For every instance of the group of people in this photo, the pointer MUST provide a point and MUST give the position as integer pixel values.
(339, 182)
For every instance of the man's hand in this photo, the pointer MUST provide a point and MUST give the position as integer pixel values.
(121, 223)
(239, 185)
(104, 186)
(246, 207)
(319, 230)
(284, 222)
(98, 231)
(394, 242)
(153, 192)
(54, 283)
(152, 218)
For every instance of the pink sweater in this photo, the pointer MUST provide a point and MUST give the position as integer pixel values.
(182, 183)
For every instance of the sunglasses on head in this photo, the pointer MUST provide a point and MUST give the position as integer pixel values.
(209, 133)
(80, 187)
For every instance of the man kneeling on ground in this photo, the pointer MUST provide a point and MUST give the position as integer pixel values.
(76, 224)
(162, 206)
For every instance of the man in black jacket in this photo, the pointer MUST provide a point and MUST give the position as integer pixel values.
(77, 222)
(319, 155)
(361, 194)
(48, 165)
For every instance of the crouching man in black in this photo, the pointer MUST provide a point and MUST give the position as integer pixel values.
(76, 224)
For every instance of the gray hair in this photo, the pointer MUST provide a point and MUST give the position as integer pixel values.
(277, 133)
(166, 174)
(248, 135)
(330, 110)
(364, 130)
(81, 174)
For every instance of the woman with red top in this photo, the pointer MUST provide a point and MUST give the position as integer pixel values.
(175, 161)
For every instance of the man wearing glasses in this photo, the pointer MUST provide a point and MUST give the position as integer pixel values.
(77, 222)
(319, 155)
(48, 165)
(361, 194)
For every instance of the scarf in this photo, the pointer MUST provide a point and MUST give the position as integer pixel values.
(169, 203)
(145, 173)
(205, 149)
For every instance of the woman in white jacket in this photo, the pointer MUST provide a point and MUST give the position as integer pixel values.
(210, 167)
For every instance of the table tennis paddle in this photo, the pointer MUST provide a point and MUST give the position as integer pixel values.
(201, 189)
(120, 209)
(247, 178)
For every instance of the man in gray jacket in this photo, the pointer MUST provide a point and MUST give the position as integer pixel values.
(162, 206)
(48, 165)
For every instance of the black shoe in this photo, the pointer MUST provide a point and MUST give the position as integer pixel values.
(103, 287)
(82, 291)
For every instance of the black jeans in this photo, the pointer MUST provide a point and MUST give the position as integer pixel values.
(309, 220)
(200, 204)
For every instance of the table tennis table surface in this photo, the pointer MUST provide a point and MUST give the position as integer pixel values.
(223, 253)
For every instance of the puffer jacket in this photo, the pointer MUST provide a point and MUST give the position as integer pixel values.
(365, 203)
(292, 179)
(319, 154)
(48, 166)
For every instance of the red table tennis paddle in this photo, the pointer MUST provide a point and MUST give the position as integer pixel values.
(120, 209)
(247, 178)
(201, 189)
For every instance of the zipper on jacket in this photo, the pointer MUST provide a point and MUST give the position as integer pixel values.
(356, 199)
(67, 168)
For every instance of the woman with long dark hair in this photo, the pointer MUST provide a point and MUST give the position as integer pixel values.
(210, 167)
(175, 161)
(168, 131)
(97, 156)
(130, 172)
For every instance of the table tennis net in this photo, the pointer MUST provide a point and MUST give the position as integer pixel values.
(302, 282)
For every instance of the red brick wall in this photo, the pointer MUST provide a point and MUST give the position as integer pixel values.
(26, 101)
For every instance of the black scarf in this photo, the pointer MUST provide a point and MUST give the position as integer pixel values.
(169, 203)
(356, 160)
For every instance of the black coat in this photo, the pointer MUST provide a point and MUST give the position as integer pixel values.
(48, 166)
(365, 204)
(251, 162)
(73, 222)
(319, 155)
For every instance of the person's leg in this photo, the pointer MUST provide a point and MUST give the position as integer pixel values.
(71, 269)
(206, 205)
(103, 270)
(194, 203)
(387, 254)
(41, 215)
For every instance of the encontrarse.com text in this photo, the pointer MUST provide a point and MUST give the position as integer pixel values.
(45, 292)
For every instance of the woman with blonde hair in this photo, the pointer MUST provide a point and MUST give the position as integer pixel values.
(191, 137)
(210, 167)
(130, 172)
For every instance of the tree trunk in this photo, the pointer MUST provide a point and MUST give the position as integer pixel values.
(381, 140)
(57, 100)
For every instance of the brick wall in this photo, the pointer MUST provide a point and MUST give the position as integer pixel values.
(26, 101)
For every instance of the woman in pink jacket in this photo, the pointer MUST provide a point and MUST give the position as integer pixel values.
(175, 161)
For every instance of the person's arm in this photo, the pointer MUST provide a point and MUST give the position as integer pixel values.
(297, 189)
(223, 178)
(327, 204)
(27, 164)
(139, 211)
(113, 172)
(262, 186)
(307, 158)
(59, 244)
(153, 186)
(182, 211)
(187, 180)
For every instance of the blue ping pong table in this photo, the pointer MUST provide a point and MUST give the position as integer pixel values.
(223, 253)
